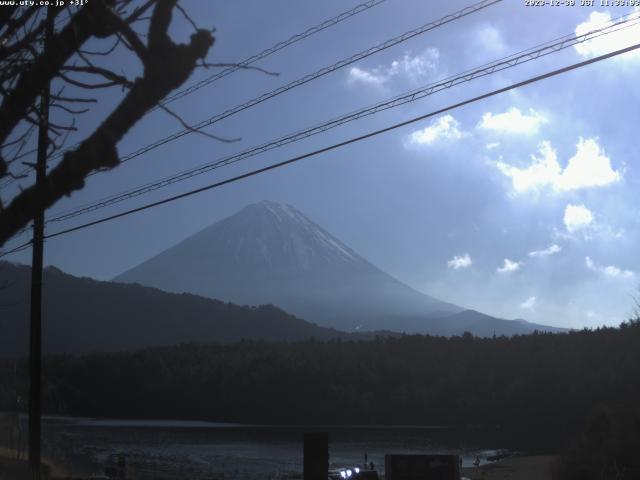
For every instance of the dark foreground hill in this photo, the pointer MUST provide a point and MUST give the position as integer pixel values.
(85, 315)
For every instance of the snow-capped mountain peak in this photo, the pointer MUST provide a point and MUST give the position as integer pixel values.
(269, 252)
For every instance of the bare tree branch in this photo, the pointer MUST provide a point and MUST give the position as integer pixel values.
(186, 126)
(166, 67)
(239, 66)
(90, 86)
(109, 51)
(93, 20)
(94, 70)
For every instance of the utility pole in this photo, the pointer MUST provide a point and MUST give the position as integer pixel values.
(35, 335)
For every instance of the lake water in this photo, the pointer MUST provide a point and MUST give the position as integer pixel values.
(202, 450)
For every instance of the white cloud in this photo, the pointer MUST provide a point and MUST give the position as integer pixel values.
(491, 40)
(512, 121)
(614, 272)
(588, 168)
(553, 249)
(577, 217)
(371, 77)
(595, 229)
(418, 67)
(624, 37)
(458, 262)
(542, 171)
(509, 266)
(414, 68)
(445, 127)
(492, 145)
(610, 271)
(529, 303)
(589, 263)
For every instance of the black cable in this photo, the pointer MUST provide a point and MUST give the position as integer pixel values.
(271, 50)
(312, 76)
(350, 141)
(303, 80)
(229, 70)
(19, 248)
(487, 69)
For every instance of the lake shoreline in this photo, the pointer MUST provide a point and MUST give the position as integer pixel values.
(525, 467)
(172, 447)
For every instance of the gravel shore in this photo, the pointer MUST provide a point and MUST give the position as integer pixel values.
(515, 468)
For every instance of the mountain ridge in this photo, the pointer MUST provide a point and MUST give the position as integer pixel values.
(272, 253)
(82, 315)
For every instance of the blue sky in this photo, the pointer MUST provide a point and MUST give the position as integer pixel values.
(524, 205)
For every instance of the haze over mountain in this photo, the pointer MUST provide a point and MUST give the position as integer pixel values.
(84, 315)
(266, 254)
(269, 253)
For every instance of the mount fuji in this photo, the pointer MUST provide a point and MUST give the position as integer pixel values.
(270, 253)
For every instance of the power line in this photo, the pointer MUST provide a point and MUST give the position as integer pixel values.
(349, 141)
(275, 48)
(312, 76)
(19, 248)
(334, 146)
(240, 65)
(469, 75)
(361, 55)
(301, 81)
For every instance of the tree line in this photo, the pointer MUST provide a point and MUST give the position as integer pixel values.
(524, 382)
(578, 392)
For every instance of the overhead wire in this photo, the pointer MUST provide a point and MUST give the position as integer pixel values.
(362, 7)
(468, 10)
(307, 78)
(19, 248)
(334, 146)
(271, 50)
(511, 61)
(310, 77)
(352, 140)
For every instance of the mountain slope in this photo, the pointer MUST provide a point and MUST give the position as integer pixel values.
(272, 253)
(483, 325)
(84, 315)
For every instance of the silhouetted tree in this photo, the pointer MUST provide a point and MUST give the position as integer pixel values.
(25, 68)
(607, 448)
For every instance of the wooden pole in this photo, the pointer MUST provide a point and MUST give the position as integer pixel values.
(35, 334)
